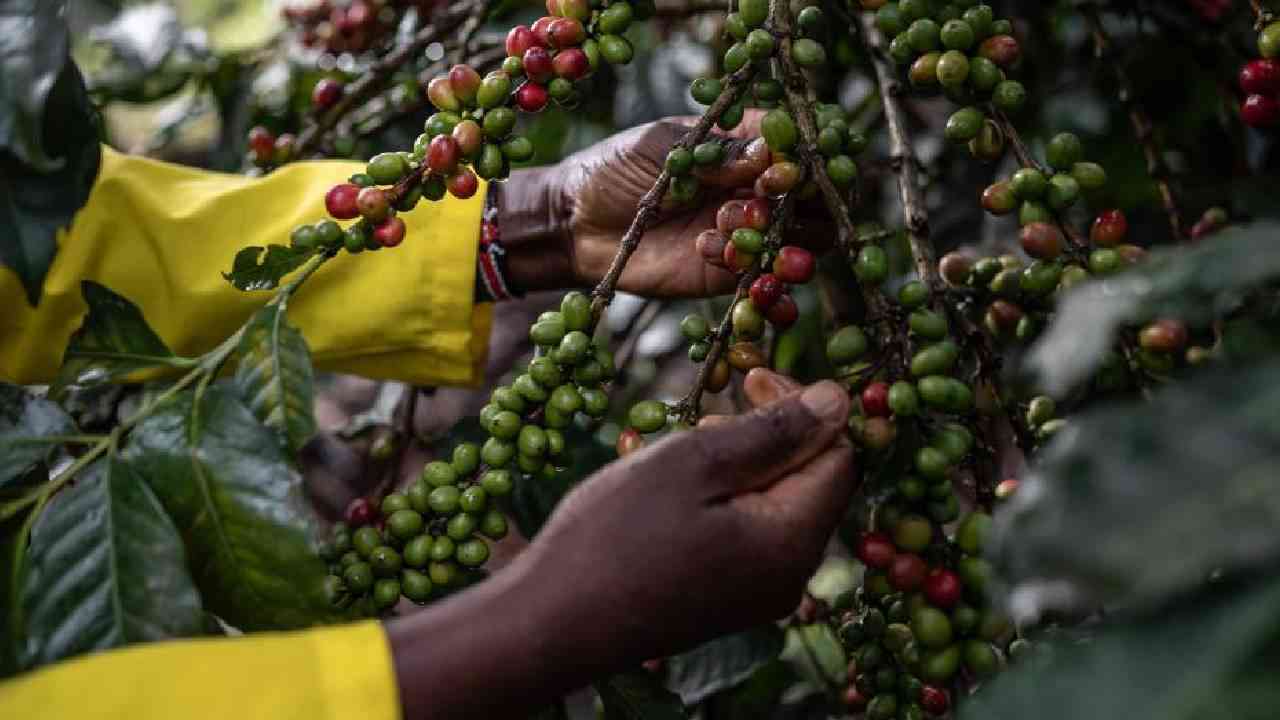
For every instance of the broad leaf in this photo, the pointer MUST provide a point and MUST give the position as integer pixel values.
(722, 663)
(254, 269)
(12, 550)
(113, 341)
(1200, 661)
(639, 696)
(25, 420)
(275, 376)
(1195, 284)
(1131, 503)
(49, 137)
(238, 504)
(105, 568)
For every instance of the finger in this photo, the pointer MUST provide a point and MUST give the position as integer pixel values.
(712, 420)
(744, 160)
(816, 495)
(752, 450)
(710, 244)
(764, 386)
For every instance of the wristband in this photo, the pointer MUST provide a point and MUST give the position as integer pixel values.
(492, 283)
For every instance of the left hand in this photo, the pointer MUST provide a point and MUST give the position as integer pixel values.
(562, 224)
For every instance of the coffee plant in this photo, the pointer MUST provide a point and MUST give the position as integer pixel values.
(1066, 395)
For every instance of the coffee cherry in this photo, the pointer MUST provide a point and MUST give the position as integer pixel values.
(1002, 50)
(463, 184)
(340, 201)
(1063, 151)
(390, 232)
(443, 154)
(1029, 184)
(778, 179)
(931, 627)
(875, 400)
(1109, 228)
(765, 291)
(756, 213)
(359, 512)
(1000, 198)
(647, 416)
(934, 700)
(779, 131)
(440, 93)
(629, 440)
(794, 265)
(326, 93)
(358, 577)
(846, 345)
(942, 588)
(1260, 111)
(263, 144)
(913, 533)
(1166, 336)
(952, 70)
(875, 550)
(615, 49)
(808, 53)
(571, 64)
(531, 97)
(1042, 241)
(872, 265)
(924, 71)
(744, 357)
(706, 90)
(753, 12)
(1063, 191)
(907, 572)
(1006, 488)
(784, 313)
(1010, 96)
(1269, 41)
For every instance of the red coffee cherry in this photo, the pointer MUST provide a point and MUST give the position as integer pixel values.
(875, 400)
(440, 93)
(942, 588)
(1260, 111)
(954, 268)
(766, 290)
(442, 154)
(531, 97)
(1166, 335)
(519, 39)
(756, 213)
(571, 64)
(1109, 228)
(934, 700)
(326, 93)
(907, 572)
(262, 143)
(340, 201)
(1002, 50)
(875, 550)
(784, 313)
(731, 216)
(542, 30)
(1042, 240)
(1260, 77)
(359, 513)
(794, 265)
(374, 204)
(537, 64)
(465, 81)
(565, 32)
(390, 233)
(1006, 488)
(629, 441)
(463, 184)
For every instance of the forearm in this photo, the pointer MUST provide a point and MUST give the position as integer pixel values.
(503, 648)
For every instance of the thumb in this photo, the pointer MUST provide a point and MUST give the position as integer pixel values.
(751, 451)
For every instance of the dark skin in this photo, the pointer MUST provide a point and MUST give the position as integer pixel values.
(707, 532)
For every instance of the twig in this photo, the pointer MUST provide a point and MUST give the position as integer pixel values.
(380, 73)
(1143, 129)
(1262, 16)
(468, 32)
(914, 211)
(647, 210)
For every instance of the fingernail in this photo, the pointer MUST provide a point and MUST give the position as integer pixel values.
(826, 401)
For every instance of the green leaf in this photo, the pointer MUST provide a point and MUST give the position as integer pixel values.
(43, 108)
(1195, 284)
(254, 270)
(722, 663)
(1198, 661)
(1132, 503)
(24, 420)
(238, 503)
(816, 654)
(275, 375)
(638, 695)
(13, 543)
(105, 569)
(113, 341)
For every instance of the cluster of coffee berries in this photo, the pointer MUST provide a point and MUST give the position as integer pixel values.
(1260, 82)
(348, 26)
(267, 150)
(567, 45)
(961, 49)
(422, 542)
(921, 614)
(1038, 195)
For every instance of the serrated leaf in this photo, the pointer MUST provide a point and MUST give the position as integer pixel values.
(24, 420)
(639, 696)
(1194, 284)
(275, 376)
(722, 663)
(113, 341)
(257, 268)
(44, 108)
(105, 569)
(1198, 662)
(1165, 493)
(238, 503)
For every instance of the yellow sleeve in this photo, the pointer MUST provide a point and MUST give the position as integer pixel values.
(161, 235)
(337, 673)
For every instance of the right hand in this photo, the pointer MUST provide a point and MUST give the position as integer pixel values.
(710, 531)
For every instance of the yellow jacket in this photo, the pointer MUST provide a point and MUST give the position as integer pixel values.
(161, 235)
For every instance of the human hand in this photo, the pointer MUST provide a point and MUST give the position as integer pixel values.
(707, 532)
(562, 225)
